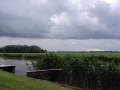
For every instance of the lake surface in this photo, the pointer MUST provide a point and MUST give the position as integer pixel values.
(21, 67)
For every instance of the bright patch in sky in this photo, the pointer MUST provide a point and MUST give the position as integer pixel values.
(110, 1)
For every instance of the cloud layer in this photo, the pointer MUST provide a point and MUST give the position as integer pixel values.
(60, 19)
(65, 45)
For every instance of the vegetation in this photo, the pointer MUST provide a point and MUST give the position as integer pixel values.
(10, 81)
(22, 49)
(98, 71)
(12, 56)
(92, 72)
(33, 56)
(26, 56)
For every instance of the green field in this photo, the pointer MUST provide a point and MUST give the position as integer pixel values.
(10, 81)
(34, 56)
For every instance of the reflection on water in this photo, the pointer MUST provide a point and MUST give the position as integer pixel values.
(21, 66)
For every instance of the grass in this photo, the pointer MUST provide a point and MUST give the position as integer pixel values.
(9, 81)
(116, 54)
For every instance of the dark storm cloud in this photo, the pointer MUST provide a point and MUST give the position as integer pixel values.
(17, 26)
(59, 19)
(84, 33)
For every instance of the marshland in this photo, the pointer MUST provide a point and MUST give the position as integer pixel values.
(82, 70)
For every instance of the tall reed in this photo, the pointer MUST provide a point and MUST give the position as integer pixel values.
(12, 56)
(91, 72)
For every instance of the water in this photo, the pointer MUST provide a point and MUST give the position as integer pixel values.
(21, 67)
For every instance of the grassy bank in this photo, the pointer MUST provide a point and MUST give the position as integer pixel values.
(10, 81)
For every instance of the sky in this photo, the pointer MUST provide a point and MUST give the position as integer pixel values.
(61, 25)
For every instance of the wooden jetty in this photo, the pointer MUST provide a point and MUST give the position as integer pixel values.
(8, 68)
(55, 74)
(38, 74)
(49, 74)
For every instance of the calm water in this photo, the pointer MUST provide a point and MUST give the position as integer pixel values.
(21, 66)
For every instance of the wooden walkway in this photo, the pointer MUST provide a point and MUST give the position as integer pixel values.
(8, 68)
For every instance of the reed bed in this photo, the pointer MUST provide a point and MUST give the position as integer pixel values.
(89, 72)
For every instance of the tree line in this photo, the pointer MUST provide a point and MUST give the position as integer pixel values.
(22, 49)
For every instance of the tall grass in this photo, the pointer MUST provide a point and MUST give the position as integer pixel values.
(26, 56)
(48, 61)
(92, 72)
(33, 56)
(12, 56)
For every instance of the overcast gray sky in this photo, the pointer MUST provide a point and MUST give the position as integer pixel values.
(61, 25)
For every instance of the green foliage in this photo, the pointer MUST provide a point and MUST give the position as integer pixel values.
(12, 56)
(49, 61)
(0, 55)
(33, 57)
(99, 72)
(22, 49)
(93, 72)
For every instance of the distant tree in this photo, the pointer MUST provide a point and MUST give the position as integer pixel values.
(1, 50)
(35, 49)
(22, 49)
